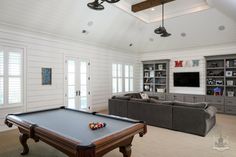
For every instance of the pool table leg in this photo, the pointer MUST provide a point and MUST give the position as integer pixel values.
(125, 149)
(23, 140)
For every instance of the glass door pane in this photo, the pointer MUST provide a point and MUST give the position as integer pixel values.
(83, 84)
(71, 84)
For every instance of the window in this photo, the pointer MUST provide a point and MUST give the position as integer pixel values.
(117, 78)
(120, 79)
(129, 78)
(11, 76)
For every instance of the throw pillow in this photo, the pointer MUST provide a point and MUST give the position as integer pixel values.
(144, 95)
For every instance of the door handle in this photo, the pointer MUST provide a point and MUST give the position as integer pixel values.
(77, 93)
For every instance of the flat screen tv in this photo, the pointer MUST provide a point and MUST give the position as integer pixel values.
(186, 79)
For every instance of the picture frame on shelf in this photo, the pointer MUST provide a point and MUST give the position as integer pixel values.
(230, 93)
(230, 82)
(152, 74)
(229, 73)
(160, 67)
(160, 90)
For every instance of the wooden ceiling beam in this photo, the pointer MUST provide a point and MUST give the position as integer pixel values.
(148, 4)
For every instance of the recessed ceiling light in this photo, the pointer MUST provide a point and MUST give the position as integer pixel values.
(221, 28)
(84, 31)
(183, 34)
(152, 9)
(90, 23)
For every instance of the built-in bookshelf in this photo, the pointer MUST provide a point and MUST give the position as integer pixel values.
(221, 75)
(156, 76)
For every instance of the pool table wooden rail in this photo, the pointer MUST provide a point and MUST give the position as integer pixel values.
(72, 147)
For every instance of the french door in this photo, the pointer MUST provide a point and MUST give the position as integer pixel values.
(77, 83)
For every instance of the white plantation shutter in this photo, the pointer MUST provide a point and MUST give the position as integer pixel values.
(117, 78)
(1, 77)
(11, 76)
(129, 78)
(14, 74)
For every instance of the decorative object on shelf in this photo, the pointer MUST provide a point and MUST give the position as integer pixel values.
(161, 90)
(229, 73)
(230, 93)
(209, 92)
(46, 76)
(178, 63)
(234, 62)
(159, 74)
(211, 82)
(146, 87)
(152, 73)
(230, 82)
(162, 30)
(234, 73)
(217, 91)
(97, 5)
(195, 63)
(227, 64)
(219, 82)
(213, 65)
(150, 68)
(146, 74)
(160, 67)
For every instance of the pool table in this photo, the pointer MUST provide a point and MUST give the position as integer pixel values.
(68, 131)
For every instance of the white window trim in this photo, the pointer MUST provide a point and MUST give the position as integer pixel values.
(5, 104)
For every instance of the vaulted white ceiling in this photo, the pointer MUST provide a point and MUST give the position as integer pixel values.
(116, 28)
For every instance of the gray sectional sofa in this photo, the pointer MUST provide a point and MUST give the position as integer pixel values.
(194, 118)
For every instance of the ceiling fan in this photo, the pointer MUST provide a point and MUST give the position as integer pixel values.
(162, 30)
(97, 5)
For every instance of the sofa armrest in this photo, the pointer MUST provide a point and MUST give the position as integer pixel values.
(210, 112)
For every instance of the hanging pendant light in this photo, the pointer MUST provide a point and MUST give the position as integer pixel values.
(96, 5)
(162, 30)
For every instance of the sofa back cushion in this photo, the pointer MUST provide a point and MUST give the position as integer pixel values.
(140, 100)
(200, 105)
(121, 97)
(153, 100)
(134, 95)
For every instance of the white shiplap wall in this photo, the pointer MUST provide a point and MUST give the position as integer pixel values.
(189, 55)
(48, 52)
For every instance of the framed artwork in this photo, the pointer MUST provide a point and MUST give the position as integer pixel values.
(46, 76)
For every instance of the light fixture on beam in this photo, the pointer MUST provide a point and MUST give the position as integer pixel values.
(162, 30)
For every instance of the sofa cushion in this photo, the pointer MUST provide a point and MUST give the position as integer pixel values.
(201, 105)
(133, 95)
(140, 100)
(121, 97)
(153, 100)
